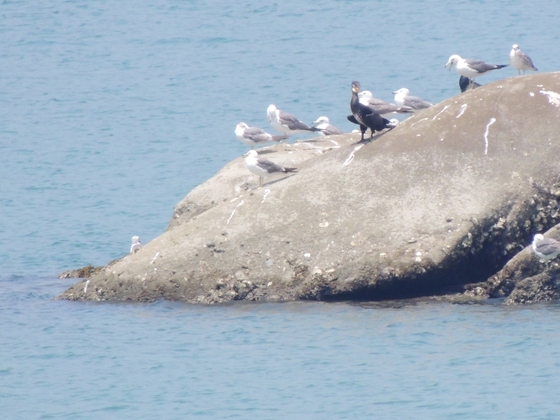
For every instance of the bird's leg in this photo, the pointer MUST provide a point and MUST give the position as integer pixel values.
(260, 181)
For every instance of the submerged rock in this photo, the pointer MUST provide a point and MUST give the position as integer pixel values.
(80, 273)
(444, 199)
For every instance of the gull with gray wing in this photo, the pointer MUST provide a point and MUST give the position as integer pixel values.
(471, 68)
(324, 126)
(520, 61)
(254, 136)
(286, 123)
(136, 244)
(404, 98)
(263, 167)
(380, 106)
(545, 248)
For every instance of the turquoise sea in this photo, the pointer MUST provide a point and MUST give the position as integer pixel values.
(112, 111)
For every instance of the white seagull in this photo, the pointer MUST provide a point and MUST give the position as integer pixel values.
(403, 98)
(262, 167)
(520, 61)
(380, 106)
(325, 127)
(545, 248)
(252, 136)
(286, 123)
(136, 244)
(471, 68)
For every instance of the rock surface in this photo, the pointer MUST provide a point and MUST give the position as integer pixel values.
(444, 199)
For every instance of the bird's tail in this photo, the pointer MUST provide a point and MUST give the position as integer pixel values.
(286, 170)
(501, 66)
(405, 110)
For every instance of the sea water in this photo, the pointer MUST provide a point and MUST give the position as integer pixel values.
(112, 111)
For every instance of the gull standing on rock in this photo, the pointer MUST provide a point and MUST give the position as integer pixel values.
(136, 244)
(545, 248)
(404, 98)
(520, 61)
(365, 115)
(471, 68)
(253, 136)
(325, 127)
(286, 123)
(380, 106)
(262, 167)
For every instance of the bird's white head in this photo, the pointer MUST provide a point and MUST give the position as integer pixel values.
(365, 94)
(240, 127)
(538, 237)
(515, 47)
(135, 240)
(322, 119)
(401, 91)
(453, 60)
(270, 111)
(252, 154)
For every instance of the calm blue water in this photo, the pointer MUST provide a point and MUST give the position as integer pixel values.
(112, 111)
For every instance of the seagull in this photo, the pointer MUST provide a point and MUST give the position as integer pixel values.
(253, 136)
(380, 106)
(286, 123)
(520, 61)
(136, 244)
(403, 98)
(545, 248)
(465, 84)
(471, 68)
(325, 127)
(365, 115)
(261, 166)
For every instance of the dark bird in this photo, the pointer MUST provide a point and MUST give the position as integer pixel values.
(465, 84)
(365, 116)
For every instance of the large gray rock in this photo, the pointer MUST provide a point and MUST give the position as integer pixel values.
(444, 199)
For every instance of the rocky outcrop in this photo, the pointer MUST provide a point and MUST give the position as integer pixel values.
(524, 279)
(444, 199)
